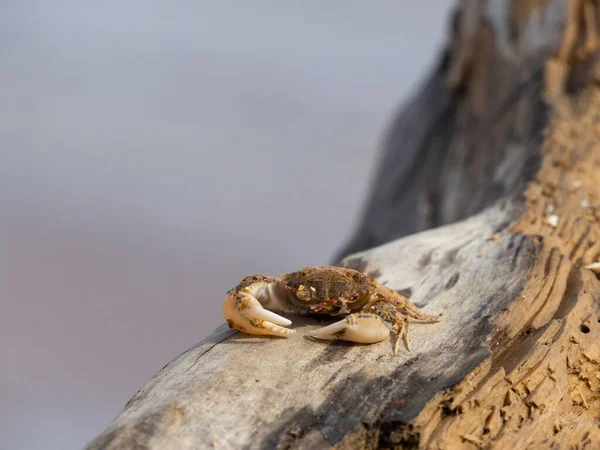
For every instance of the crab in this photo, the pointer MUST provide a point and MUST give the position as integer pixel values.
(372, 310)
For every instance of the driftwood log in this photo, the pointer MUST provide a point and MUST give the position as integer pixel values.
(493, 220)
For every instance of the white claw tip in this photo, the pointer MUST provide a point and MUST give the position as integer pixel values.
(329, 331)
(265, 314)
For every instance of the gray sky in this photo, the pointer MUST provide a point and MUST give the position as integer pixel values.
(154, 153)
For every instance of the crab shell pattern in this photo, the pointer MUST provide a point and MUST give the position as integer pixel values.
(372, 310)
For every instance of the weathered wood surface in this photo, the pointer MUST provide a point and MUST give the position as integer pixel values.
(236, 389)
(503, 139)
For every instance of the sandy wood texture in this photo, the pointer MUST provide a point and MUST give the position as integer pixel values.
(493, 221)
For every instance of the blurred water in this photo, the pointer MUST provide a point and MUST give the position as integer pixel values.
(151, 155)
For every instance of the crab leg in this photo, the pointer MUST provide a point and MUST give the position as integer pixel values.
(244, 311)
(402, 324)
(401, 303)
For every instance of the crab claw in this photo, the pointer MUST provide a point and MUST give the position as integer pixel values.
(361, 328)
(245, 313)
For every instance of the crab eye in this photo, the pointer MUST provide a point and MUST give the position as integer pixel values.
(303, 293)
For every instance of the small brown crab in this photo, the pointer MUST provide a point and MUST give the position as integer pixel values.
(250, 306)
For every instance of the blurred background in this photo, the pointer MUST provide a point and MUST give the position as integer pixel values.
(154, 153)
